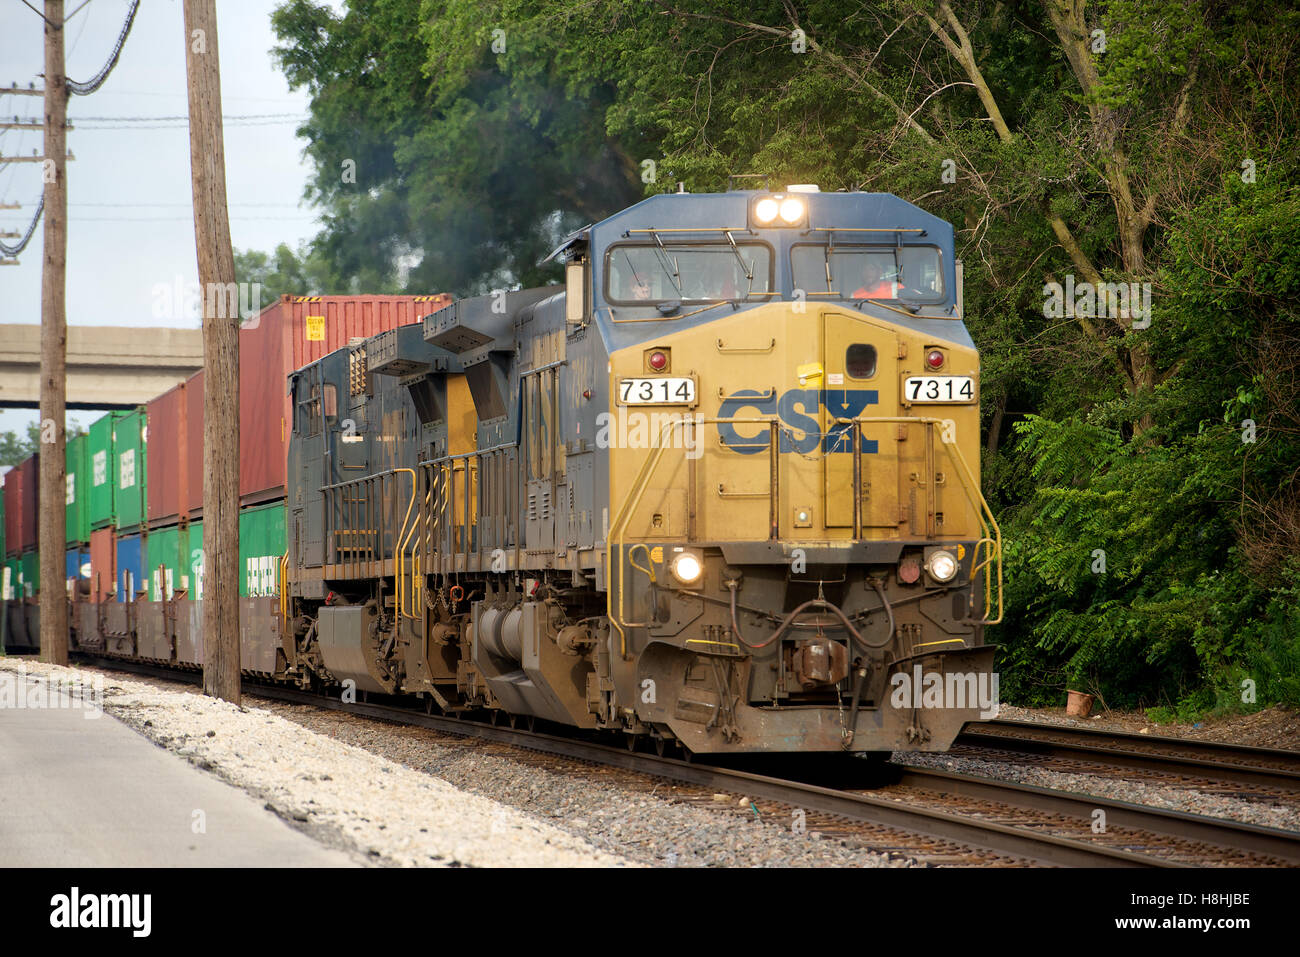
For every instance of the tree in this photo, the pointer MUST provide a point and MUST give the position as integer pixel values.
(15, 449)
(285, 272)
(444, 177)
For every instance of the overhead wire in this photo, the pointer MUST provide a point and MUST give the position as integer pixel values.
(83, 88)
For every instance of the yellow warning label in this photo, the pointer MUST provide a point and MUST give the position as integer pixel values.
(810, 373)
(315, 328)
(961, 552)
(657, 554)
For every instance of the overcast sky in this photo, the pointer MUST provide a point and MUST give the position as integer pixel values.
(130, 222)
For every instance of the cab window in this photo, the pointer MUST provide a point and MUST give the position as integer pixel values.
(909, 273)
(645, 273)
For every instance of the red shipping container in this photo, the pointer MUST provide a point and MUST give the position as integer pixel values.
(194, 443)
(167, 460)
(284, 337)
(13, 511)
(22, 519)
(103, 563)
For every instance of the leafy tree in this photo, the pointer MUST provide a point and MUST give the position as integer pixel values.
(284, 272)
(15, 448)
(1137, 141)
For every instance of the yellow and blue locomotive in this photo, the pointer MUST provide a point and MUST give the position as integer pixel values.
(719, 490)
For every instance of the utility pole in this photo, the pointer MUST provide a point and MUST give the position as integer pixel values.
(220, 356)
(54, 348)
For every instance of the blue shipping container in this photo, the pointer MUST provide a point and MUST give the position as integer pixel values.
(130, 567)
(78, 563)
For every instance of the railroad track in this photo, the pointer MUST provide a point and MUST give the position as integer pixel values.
(934, 816)
(1235, 764)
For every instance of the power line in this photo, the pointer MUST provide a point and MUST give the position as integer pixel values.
(31, 228)
(94, 83)
(184, 117)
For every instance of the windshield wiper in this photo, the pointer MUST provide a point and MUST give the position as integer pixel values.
(749, 271)
(670, 268)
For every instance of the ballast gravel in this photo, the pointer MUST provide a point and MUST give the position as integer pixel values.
(342, 795)
(395, 796)
(1269, 810)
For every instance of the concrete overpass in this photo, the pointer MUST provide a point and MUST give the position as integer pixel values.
(109, 367)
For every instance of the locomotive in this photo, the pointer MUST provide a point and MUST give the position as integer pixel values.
(717, 491)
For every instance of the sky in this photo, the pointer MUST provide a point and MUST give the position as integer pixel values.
(131, 229)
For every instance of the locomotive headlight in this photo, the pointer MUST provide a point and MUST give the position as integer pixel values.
(792, 210)
(765, 210)
(686, 567)
(942, 566)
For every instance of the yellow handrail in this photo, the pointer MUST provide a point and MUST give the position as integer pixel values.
(990, 538)
(400, 540)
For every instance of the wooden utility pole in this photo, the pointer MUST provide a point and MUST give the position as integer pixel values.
(54, 347)
(220, 356)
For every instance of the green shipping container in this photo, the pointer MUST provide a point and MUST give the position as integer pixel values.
(128, 469)
(29, 574)
(99, 465)
(180, 555)
(77, 500)
(261, 546)
(9, 579)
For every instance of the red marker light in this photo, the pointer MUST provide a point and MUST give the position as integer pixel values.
(658, 361)
(934, 358)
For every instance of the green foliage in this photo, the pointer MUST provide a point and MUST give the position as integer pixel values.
(15, 448)
(1102, 437)
(285, 273)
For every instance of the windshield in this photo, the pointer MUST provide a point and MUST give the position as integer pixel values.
(869, 272)
(688, 272)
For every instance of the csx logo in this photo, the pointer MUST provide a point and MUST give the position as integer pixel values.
(799, 410)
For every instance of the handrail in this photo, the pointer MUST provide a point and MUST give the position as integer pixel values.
(401, 537)
(284, 593)
(990, 533)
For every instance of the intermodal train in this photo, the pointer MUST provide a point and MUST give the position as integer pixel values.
(717, 491)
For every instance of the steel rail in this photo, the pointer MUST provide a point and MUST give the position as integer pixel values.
(976, 833)
(1254, 838)
(1231, 763)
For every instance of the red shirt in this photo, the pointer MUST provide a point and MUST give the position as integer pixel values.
(883, 290)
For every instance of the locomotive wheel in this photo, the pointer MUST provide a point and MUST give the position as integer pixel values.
(660, 745)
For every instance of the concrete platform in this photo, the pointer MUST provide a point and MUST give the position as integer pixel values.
(91, 792)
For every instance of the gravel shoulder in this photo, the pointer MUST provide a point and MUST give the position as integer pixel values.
(341, 795)
(407, 796)
(1275, 727)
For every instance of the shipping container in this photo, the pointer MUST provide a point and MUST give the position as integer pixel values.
(76, 510)
(261, 546)
(22, 531)
(130, 564)
(284, 337)
(99, 455)
(103, 564)
(167, 466)
(194, 442)
(129, 470)
(78, 568)
(29, 575)
(175, 561)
